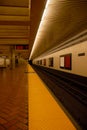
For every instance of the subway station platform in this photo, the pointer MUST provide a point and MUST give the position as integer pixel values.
(44, 111)
(27, 104)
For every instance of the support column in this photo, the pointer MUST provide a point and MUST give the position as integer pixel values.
(12, 57)
(5, 62)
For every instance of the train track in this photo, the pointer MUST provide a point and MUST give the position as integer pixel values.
(70, 91)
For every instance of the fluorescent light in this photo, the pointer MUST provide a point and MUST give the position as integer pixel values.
(48, 1)
(35, 42)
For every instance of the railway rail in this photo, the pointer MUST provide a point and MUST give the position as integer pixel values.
(70, 89)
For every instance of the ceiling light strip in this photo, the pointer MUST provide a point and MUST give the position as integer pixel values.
(35, 42)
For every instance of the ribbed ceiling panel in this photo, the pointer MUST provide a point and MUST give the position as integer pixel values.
(15, 3)
(63, 20)
(14, 24)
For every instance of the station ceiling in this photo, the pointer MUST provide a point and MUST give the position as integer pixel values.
(15, 22)
(20, 19)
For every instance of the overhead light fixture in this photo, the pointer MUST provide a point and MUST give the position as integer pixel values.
(35, 42)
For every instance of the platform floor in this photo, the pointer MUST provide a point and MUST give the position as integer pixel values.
(44, 111)
(27, 104)
(14, 98)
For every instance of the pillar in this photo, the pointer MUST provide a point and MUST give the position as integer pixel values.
(12, 57)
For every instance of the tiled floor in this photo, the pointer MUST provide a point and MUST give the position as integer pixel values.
(13, 99)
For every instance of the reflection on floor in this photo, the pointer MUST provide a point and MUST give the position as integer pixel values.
(44, 111)
(13, 99)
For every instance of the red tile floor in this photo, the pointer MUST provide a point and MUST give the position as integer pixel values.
(13, 98)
